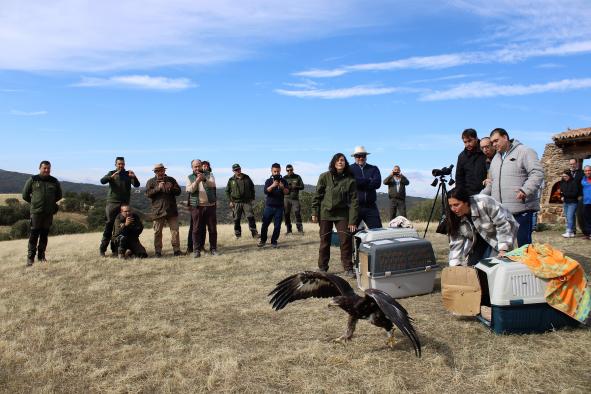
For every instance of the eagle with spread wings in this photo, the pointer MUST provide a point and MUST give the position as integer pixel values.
(376, 306)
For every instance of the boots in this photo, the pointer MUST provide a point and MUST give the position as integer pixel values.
(103, 246)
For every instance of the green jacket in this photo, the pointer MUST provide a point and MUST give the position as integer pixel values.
(42, 193)
(295, 183)
(119, 186)
(133, 231)
(336, 198)
(240, 190)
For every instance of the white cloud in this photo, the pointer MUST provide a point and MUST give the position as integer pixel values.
(74, 35)
(28, 113)
(509, 54)
(480, 89)
(343, 93)
(138, 82)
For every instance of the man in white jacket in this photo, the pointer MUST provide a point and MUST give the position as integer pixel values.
(516, 176)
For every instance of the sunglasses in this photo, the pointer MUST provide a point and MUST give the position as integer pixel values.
(360, 156)
(237, 169)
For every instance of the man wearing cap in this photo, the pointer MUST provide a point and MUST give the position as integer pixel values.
(240, 193)
(120, 181)
(368, 179)
(292, 200)
(162, 190)
(43, 192)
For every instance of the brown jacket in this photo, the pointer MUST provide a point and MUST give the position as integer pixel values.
(163, 201)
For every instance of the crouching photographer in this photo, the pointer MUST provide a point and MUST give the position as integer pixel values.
(478, 227)
(127, 229)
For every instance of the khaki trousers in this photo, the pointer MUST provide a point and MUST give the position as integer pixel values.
(173, 224)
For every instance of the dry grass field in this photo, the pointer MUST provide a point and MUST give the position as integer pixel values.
(81, 324)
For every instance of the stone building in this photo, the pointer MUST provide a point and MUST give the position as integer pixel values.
(567, 145)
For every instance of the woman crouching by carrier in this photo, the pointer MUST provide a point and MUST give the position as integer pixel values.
(478, 227)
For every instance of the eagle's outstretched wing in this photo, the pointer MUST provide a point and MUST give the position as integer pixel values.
(308, 284)
(397, 315)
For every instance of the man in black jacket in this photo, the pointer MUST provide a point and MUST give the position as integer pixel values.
(471, 167)
(397, 183)
(368, 180)
(126, 232)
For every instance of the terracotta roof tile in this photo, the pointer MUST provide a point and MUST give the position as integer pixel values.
(572, 134)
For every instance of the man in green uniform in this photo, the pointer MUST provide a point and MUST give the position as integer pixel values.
(120, 181)
(43, 192)
(126, 232)
(292, 200)
(240, 193)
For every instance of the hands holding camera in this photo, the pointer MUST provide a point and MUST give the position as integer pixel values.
(129, 221)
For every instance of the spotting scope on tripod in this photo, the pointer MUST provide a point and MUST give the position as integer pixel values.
(440, 181)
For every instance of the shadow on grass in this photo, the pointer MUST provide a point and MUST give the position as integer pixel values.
(585, 261)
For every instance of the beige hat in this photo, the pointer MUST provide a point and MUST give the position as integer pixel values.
(159, 166)
(360, 150)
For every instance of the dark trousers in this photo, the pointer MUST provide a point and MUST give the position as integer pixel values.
(204, 218)
(345, 243)
(190, 235)
(525, 220)
(370, 215)
(276, 215)
(587, 218)
(124, 243)
(288, 205)
(40, 225)
(246, 209)
(112, 209)
(397, 208)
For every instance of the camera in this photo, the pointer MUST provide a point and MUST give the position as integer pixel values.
(442, 171)
(276, 177)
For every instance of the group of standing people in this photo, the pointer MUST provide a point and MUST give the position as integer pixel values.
(497, 196)
(490, 211)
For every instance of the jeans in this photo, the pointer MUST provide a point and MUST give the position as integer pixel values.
(570, 209)
(275, 214)
(525, 220)
(370, 216)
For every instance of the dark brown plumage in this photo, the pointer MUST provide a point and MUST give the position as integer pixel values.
(377, 306)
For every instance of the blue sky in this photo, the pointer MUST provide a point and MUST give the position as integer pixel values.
(264, 81)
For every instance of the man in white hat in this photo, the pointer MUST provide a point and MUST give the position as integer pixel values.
(162, 190)
(368, 179)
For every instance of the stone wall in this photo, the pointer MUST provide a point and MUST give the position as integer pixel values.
(555, 161)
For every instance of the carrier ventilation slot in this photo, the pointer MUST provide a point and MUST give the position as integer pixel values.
(525, 285)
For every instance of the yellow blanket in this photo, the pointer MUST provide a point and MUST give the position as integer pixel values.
(567, 288)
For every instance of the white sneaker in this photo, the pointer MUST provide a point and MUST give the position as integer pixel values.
(566, 235)
(571, 235)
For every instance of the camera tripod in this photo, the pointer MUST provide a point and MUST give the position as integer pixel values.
(441, 229)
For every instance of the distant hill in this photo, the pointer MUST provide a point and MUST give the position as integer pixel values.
(13, 182)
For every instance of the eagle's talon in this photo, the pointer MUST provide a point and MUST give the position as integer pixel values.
(342, 339)
(391, 342)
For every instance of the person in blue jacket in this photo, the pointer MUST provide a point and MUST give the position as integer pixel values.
(368, 179)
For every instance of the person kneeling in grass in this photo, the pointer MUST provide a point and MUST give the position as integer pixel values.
(478, 227)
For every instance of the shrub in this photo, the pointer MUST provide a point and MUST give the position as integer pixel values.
(20, 229)
(4, 236)
(421, 210)
(67, 226)
(13, 212)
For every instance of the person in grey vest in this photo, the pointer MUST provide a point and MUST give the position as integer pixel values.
(397, 183)
(516, 176)
(43, 192)
(292, 200)
(202, 197)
